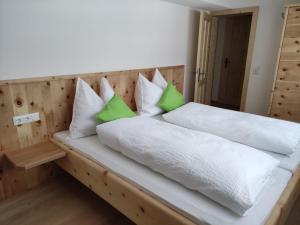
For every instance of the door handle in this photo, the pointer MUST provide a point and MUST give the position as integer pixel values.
(226, 62)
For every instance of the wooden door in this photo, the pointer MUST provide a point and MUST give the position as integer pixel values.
(202, 56)
(237, 30)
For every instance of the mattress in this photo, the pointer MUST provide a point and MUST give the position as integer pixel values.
(190, 203)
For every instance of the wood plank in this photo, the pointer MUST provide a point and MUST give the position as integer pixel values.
(290, 48)
(289, 71)
(292, 30)
(294, 15)
(35, 155)
(287, 86)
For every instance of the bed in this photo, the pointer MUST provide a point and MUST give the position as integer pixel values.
(174, 199)
(190, 203)
(159, 200)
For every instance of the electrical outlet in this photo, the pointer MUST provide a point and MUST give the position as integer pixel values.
(28, 118)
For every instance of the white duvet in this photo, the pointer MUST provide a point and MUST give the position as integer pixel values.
(256, 131)
(227, 172)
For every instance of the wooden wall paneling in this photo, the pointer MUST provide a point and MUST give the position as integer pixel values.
(289, 71)
(291, 48)
(21, 107)
(60, 105)
(285, 97)
(35, 104)
(8, 131)
(294, 15)
(286, 105)
(127, 83)
(53, 98)
(292, 30)
(178, 77)
(290, 86)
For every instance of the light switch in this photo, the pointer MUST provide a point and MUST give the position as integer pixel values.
(256, 70)
(28, 118)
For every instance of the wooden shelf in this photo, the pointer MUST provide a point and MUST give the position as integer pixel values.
(35, 155)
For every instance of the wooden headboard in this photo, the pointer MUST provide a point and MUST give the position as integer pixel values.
(53, 97)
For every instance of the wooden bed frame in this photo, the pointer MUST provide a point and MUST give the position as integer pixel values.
(141, 207)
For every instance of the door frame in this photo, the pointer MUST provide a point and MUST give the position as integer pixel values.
(215, 14)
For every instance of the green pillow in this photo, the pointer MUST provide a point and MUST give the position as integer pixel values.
(116, 108)
(171, 98)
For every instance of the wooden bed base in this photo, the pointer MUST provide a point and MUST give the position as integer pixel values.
(141, 207)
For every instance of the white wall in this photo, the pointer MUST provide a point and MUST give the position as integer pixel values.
(55, 37)
(265, 52)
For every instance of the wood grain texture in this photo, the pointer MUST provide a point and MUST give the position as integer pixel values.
(285, 97)
(53, 98)
(143, 208)
(35, 155)
(294, 15)
(286, 202)
(139, 206)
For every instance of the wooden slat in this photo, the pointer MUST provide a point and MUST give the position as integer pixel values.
(289, 71)
(286, 105)
(287, 86)
(294, 15)
(292, 30)
(35, 155)
(291, 48)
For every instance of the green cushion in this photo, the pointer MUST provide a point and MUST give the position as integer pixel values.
(171, 98)
(116, 108)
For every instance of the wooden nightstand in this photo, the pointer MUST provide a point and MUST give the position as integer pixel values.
(35, 155)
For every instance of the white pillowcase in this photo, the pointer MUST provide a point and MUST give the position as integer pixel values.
(86, 105)
(159, 80)
(147, 94)
(106, 91)
(259, 132)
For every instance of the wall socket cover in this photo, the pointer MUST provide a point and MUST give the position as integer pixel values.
(27, 118)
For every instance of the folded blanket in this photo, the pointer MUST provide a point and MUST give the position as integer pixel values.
(227, 172)
(256, 131)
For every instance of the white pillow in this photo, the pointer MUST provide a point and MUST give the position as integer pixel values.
(106, 91)
(159, 80)
(85, 107)
(147, 95)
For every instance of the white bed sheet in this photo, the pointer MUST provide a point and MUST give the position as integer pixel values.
(191, 203)
(288, 162)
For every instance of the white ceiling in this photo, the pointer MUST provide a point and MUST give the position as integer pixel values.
(216, 4)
